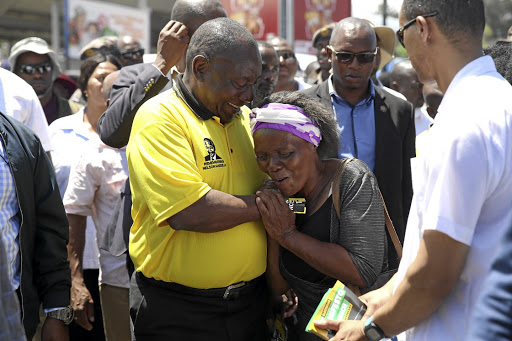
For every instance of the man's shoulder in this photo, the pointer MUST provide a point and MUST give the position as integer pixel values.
(17, 130)
(394, 102)
(133, 71)
(316, 90)
(165, 105)
(16, 86)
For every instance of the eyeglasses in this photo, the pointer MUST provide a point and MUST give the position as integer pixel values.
(401, 30)
(30, 69)
(133, 53)
(287, 56)
(348, 57)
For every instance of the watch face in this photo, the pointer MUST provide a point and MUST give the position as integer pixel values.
(69, 315)
(372, 334)
(65, 315)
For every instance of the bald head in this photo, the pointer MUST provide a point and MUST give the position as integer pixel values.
(404, 79)
(401, 68)
(193, 13)
(107, 85)
(220, 37)
(351, 28)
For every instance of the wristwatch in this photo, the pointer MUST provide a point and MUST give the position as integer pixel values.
(373, 331)
(65, 314)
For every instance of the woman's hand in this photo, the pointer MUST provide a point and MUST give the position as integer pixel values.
(267, 184)
(291, 303)
(279, 220)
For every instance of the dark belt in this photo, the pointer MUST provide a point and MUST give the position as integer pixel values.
(231, 292)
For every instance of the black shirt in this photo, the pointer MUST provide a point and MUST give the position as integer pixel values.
(317, 226)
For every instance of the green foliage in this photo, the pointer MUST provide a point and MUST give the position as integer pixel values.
(400, 51)
(498, 16)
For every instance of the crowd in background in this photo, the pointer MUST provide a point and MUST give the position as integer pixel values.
(149, 201)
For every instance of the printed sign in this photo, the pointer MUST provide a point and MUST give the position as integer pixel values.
(260, 17)
(87, 20)
(310, 15)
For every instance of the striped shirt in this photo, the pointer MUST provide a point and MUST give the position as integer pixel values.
(10, 319)
(9, 219)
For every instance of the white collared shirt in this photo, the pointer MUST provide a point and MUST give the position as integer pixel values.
(422, 120)
(71, 137)
(462, 182)
(95, 184)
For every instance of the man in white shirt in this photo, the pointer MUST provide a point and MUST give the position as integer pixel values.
(404, 79)
(19, 100)
(462, 182)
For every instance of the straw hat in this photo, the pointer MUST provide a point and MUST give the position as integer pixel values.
(387, 41)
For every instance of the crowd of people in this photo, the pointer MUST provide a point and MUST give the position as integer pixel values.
(152, 201)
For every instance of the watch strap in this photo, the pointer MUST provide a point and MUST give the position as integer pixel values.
(65, 314)
(372, 331)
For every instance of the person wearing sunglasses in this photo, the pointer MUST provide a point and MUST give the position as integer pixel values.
(131, 51)
(376, 127)
(33, 60)
(288, 66)
(462, 187)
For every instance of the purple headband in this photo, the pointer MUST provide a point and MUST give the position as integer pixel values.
(286, 117)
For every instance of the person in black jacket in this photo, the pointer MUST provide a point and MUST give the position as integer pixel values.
(35, 231)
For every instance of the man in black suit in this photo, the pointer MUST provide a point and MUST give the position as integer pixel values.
(376, 126)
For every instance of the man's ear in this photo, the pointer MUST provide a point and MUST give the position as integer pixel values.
(394, 86)
(200, 67)
(425, 28)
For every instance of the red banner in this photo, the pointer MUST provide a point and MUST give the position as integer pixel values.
(311, 15)
(260, 17)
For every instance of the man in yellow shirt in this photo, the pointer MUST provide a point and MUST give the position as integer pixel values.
(197, 243)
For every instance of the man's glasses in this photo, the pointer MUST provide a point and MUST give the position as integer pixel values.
(30, 69)
(348, 57)
(133, 53)
(288, 56)
(401, 30)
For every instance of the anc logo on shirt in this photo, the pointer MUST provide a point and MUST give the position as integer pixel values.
(212, 160)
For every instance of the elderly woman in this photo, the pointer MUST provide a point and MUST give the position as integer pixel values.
(308, 253)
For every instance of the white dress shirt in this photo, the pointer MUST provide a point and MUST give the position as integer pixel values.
(462, 182)
(422, 120)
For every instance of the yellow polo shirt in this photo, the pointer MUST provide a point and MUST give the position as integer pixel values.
(175, 158)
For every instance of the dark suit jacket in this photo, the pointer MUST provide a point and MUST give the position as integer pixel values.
(134, 86)
(394, 147)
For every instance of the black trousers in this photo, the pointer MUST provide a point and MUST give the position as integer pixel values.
(163, 313)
